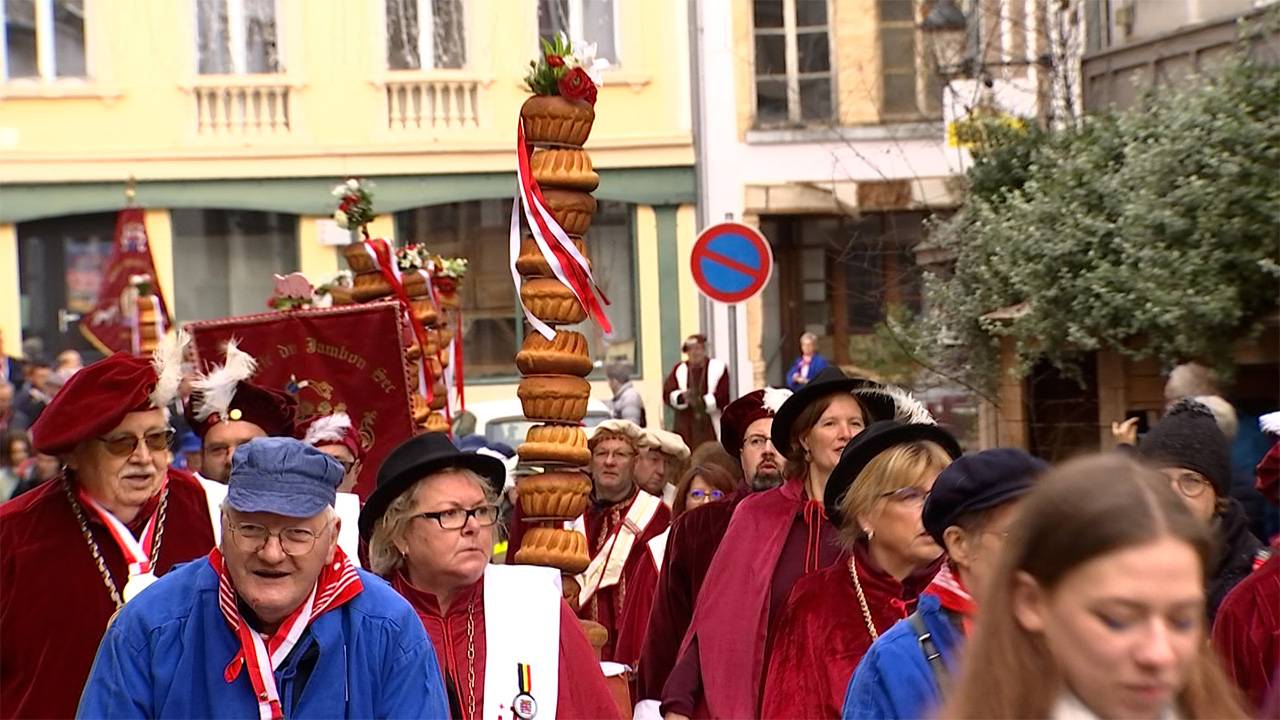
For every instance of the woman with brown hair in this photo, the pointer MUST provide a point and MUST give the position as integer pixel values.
(700, 485)
(1096, 608)
(776, 537)
(875, 497)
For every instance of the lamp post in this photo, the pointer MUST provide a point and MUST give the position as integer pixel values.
(946, 31)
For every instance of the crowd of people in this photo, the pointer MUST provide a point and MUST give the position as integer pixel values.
(826, 550)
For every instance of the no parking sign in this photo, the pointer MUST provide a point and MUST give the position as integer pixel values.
(731, 262)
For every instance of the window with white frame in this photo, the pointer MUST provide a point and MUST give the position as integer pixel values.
(593, 21)
(42, 40)
(793, 62)
(237, 37)
(424, 34)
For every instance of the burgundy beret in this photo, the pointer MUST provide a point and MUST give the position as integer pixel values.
(272, 410)
(94, 401)
(739, 414)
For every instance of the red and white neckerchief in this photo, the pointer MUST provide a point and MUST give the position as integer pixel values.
(953, 595)
(136, 551)
(338, 583)
(566, 263)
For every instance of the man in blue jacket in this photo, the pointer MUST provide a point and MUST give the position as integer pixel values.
(968, 513)
(275, 623)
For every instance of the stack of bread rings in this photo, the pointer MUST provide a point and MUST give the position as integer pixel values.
(553, 387)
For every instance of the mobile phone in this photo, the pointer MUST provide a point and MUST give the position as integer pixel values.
(1141, 415)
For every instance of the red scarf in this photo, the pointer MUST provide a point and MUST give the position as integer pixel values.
(338, 583)
(953, 595)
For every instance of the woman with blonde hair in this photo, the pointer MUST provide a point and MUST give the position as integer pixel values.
(875, 498)
(506, 641)
(1096, 607)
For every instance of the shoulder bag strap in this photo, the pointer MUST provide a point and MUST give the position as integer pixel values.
(930, 650)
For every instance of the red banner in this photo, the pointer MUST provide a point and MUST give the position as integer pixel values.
(348, 359)
(112, 325)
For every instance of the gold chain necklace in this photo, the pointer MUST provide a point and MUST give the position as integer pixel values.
(471, 658)
(862, 600)
(93, 544)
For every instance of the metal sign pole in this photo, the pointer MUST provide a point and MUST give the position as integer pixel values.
(733, 338)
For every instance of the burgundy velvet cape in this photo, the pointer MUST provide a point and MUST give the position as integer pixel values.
(729, 634)
(582, 692)
(692, 544)
(822, 634)
(54, 606)
(1246, 631)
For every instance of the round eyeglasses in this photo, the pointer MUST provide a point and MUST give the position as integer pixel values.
(1190, 484)
(252, 537)
(704, 494)
(456, 518)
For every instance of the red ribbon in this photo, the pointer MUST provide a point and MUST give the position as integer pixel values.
(576, 274)
(382, 253)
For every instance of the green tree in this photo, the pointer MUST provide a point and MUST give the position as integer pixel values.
(1154, 232)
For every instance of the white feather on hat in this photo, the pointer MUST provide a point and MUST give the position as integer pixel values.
(773, 398)
(217, 389)
(167, 362)
(328, 429)
(907, 409)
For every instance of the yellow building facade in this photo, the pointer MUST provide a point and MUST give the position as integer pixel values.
(236, 117)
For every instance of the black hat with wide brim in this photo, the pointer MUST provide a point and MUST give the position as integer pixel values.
(877, 438)
(415, 459)
(831, 380)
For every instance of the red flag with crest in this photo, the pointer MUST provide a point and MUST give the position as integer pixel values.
(112, 326)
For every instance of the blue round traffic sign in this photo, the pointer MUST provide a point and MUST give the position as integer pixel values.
(731, 262)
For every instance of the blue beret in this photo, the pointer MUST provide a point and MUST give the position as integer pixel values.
(977, 482)
(282, 476)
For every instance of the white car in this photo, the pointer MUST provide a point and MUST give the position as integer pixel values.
(504, 420)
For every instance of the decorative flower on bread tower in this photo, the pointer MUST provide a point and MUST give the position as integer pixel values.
(550, 267)
(383, 271)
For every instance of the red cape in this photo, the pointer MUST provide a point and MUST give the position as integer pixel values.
(1246, 631)
(54, 606)
(582, 692)
(633, 624)
(606, 606)
(691, 545)
(730, 626)
(822, 635)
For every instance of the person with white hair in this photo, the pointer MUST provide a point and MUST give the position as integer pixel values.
(660, 459)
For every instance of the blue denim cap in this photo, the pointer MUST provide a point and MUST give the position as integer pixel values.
(282, 476)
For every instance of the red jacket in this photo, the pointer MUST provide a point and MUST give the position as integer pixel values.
(1246, 632)
(822, 634)
(582, 692)
(54, 606)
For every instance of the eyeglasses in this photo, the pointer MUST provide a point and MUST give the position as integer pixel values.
(456, 518)
(251, 537)
(124, 445)
(910, 495)
(620, 455)
(1190, 484)
(755, 442)
(703, 494)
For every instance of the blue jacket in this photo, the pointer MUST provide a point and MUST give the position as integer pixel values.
(165, 652)
(894, 680)
(816, 365)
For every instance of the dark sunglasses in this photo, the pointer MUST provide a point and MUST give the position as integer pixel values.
(125, 445)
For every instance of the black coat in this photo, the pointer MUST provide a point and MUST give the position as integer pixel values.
(1238, 551)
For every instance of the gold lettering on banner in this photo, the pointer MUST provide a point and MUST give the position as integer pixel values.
(384, 381)
(338, 352)
(287, 350)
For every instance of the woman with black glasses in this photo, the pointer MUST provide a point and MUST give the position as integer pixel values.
(505, 639)
(875, 497)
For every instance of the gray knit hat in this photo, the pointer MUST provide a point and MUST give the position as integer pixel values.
(1188, 437)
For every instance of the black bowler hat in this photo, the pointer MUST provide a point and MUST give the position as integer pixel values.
(831, 380)
(415, 459)
(977, 482)
(877, 438)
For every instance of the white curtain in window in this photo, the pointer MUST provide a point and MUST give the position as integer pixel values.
(450, 41)
(213, 41)
(598, 27)
(444, 47)
(402, 35)
(261, 54)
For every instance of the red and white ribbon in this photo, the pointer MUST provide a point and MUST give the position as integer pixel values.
(338, 583)
(567, 264)
(136, 551)
(384, 260)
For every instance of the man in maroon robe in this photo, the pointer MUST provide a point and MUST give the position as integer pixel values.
(619, 523)
(82, 544)
(697, 390)
(695, 536)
